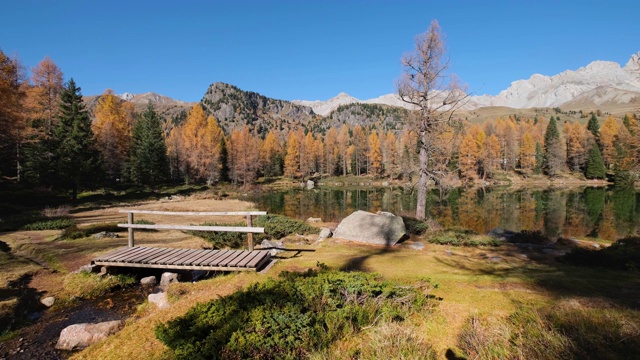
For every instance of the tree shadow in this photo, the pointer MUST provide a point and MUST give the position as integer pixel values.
(27, 306)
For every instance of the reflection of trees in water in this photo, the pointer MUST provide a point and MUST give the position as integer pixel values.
(589, 212)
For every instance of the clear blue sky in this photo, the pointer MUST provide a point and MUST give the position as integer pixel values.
(309, 49)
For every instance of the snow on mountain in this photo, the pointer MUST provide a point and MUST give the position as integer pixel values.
(150, 97)
(599, 83)
(324, 108)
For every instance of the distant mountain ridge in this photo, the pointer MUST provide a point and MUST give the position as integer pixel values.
(597, 84)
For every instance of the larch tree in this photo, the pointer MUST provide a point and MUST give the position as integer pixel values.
(243, 153)
(527, 153)
(211, 148)
(149, 162)
(426, 86)
(271, 155)
(12, 124)
(343, 146)
(359, 142)
(468, 155)
(331, 152)
(193, 137)
(112, 130)
(375, 154)
(608, 137)
(292, 158)
(76, 156)
(47, 80)
(390, 154)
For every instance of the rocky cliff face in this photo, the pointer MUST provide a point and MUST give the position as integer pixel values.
(234, 108)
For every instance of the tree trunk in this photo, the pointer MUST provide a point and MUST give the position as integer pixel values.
(421, 206)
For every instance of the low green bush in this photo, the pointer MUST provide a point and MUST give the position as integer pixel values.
(461, 237)
(50, 224)
(74, 232)
(290, 317)
(624, 254)
(415, 226)
(275, 227)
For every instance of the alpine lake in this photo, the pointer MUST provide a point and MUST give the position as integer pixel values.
(596, 212)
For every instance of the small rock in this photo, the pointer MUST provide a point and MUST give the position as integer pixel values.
(85, 268)
(105, 234)
(448, 252)
(597, 246)
(310, 184)
(148, 281)
(167, 279)
(48, 301)
(416, 246)
(159, 299)
(495, 258)
(79, 336)
(314, 220)
(385, 183)
(276, 247)
(324, 233)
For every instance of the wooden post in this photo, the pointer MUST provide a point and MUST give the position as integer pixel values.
(250, 235)
(130, 230)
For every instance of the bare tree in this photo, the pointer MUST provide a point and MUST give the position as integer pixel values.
(436, 95)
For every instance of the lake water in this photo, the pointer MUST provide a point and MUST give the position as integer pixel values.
(595, 212)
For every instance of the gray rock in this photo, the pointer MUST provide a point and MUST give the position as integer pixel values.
(384, 229)
(148, 281)
(167, 279)
(276, 247)
(324, 233)
(48, 301)
(495, 259)
(314, 220)
(385, 183)
(85, 268)
(597, 246)
(501, 234)
(416, 246)
(105, 234)
(80, 336)
(310, 184)
(159, 299)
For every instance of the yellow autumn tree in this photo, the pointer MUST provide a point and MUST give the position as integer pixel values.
(527, 153)
(292, 158)
(374, 154)
(469, 153)
(608, 134)
(343, 146)
(176, 153)
(211, 148)
(193, 136)
(112, 129)
(243, 153)
(492, 155)
(390, 154)
(309, 155)
(331, 154)
(271, 155)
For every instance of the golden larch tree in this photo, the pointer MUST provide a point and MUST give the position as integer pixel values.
(292, 158)
(527, 153)
(375, 154)
(343, 146)
(331, 154)
(468, 155)
(243, 152)
(112, 129)
(608, 136)
(271, 155)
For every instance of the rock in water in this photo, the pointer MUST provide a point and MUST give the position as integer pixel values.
(79, 336)
(379, 229)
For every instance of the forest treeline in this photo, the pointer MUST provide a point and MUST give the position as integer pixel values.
(49, 138)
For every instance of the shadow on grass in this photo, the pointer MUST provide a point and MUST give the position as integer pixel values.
(27, 305)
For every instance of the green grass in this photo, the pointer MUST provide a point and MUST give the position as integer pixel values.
(50, 224)
(87, 285)
(461, 237)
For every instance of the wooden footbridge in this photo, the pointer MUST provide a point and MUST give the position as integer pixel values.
(188, 259)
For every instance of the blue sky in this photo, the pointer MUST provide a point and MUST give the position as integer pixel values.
(309, 49)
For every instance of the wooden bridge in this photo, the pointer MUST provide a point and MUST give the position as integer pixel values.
(188, 259)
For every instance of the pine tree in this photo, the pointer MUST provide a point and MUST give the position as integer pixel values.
(595, 165)
(594, 126)
(76, 156)
(553, 159)
(149, 161)
(539, 159)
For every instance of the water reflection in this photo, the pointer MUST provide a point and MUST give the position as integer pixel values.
(605, 213)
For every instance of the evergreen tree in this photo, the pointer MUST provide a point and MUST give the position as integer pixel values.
(594, 126)
(76, 156)
(595, 165)
(539, 159)
(149, 161)
(553, 159)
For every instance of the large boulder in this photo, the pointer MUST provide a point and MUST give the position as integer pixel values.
(80, 336)
(379, 229)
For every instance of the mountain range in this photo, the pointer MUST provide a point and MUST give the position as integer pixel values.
(601, 85)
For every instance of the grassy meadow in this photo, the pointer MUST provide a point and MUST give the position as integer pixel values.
(489, 302)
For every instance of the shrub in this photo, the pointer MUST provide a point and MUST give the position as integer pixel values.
(56, 212)
(624, 254)
(74, 232)
(275, 226)
(415, 226)
(289, 317)
(530, 237)
(50, 224)
(456, 237)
